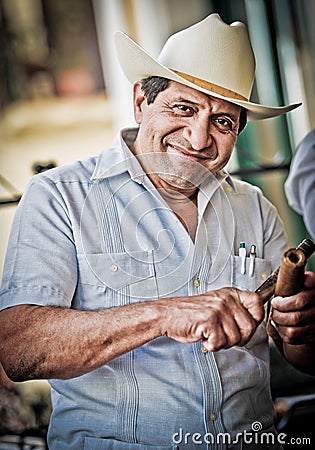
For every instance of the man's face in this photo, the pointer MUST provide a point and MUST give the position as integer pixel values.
(183, 134)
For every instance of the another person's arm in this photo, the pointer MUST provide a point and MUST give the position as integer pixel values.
(300, 184)
(294, 318)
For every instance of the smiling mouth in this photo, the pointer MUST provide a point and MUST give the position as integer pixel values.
(187, 154)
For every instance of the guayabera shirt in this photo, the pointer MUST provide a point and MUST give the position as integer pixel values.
(97, 234)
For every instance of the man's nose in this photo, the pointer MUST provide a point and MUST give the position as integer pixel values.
(198, 134)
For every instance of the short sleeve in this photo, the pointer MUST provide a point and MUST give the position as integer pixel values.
(40, 265)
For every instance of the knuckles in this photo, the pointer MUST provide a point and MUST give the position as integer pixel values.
(221, 319)
(250, 328)
(306, 300)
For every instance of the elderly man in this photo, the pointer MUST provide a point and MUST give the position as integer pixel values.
(123, 282)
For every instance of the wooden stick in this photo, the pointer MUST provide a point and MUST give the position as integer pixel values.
(291, 273)
(267, 289)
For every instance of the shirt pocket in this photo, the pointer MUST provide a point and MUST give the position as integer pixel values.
(113, 444)
(246, 281)
(113, 279)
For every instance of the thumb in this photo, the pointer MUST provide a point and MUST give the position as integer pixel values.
(253, 303)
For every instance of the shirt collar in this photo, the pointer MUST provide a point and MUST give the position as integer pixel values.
(119, 159)
(223, 175)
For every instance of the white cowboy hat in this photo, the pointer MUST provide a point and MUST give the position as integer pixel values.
(210, 56)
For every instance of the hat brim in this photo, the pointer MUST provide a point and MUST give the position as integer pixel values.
(138, 64)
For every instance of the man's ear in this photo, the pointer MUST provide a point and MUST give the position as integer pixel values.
(138, 101)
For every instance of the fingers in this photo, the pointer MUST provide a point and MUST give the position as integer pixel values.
(253, 304)
(294, 317)
(220, 319)
(199, 318)
(221, 328)
(216, 338)
(243, 312)
(302, 301)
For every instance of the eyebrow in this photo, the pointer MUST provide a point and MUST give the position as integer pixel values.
(185, 100)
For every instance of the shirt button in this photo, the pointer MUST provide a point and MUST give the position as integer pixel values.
(213, 416)
(197, 282)
(264, 276)
(113, 268)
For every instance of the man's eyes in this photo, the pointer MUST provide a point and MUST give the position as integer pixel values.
(223, 123)
(183, 110)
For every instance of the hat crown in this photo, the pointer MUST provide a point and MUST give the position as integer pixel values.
(213, 51)
(210, 56)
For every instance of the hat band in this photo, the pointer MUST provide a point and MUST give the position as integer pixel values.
(210, 86)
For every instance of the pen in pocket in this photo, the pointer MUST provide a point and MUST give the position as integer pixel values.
(242, 254)
(252, 256)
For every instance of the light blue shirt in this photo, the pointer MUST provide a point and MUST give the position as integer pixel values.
(300, 184)
(97, 234)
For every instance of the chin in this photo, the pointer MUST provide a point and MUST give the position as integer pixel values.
(179, 182)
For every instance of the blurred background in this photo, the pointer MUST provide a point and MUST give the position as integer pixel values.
(63, 97)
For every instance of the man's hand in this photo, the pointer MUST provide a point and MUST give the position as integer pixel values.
(220, 319)
(294, 316)
(294, 319)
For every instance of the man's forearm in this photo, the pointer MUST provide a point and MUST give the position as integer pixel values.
(51, 342)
